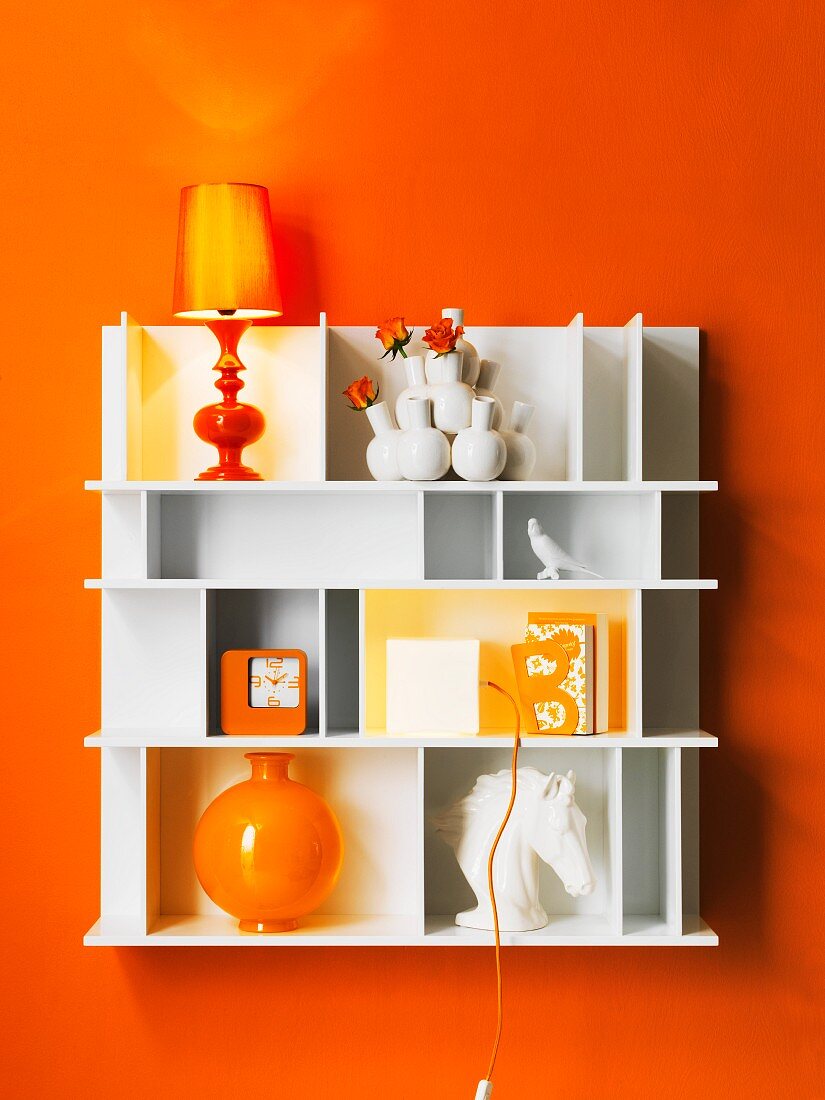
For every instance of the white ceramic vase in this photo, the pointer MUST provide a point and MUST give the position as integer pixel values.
(452, 399)
(521, 450)
(423, 451)
(416, 387)
(470, 363)
(382, 450)
(487, 378)
(478, 452)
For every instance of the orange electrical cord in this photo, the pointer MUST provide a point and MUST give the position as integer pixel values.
(502, 827)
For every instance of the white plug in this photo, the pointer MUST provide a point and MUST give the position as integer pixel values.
(484, 1090)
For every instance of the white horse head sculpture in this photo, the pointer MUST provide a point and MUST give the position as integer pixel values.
(545, 824)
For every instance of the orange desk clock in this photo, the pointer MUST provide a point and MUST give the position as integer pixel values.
(264, 691)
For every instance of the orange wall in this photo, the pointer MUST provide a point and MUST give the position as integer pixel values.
(527, 159)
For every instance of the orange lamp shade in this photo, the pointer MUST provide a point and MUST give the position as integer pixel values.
(225, 261)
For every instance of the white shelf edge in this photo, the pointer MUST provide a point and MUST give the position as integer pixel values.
(386, 931)
(402, 486)
(669, 585)
(173, 738)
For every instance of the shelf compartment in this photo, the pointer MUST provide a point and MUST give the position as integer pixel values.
(153, 660)
(680, 534)
(607, 394)
(122, 867)
(689, 826)
(265, 619)
(459, 536)
(384, 798)
(539, 366)
(498, 619)
(155, 378)
(670, 658)
(124, 542)
(374, 796)
(617, 536)
(450, 774)
(670, 403)
(290, 538)
(342, 664)
(651, 850)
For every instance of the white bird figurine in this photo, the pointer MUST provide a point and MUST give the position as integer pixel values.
(551, 554)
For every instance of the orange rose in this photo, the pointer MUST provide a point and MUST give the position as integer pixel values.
(394, 336)
(362, 393)
(441, 338)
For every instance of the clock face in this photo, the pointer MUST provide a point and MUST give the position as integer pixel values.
(274, 682)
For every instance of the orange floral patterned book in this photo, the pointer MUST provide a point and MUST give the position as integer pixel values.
(584, 640)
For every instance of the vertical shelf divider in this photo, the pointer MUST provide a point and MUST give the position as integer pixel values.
(670, 796)
(322, 662)
(421, 531)
(151, 534)
(656, 535)
(633, 398)
(635, 672)
(575, 398)
(498, 535)
(614, 832)
(210, 661)
(122, 401)
(421, 916)
(150, 804)
(362, 662)
(323, 412)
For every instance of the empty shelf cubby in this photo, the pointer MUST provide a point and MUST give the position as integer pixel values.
(289, 538)
(459, 536)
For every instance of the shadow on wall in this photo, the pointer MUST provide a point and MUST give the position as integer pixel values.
(296, 259)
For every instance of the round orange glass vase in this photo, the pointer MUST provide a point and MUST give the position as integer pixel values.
(268, 850)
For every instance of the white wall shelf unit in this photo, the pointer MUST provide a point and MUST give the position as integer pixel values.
(320, 557)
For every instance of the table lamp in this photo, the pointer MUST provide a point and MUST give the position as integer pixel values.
(225, 275)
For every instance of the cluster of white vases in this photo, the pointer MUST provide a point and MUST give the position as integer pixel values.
(444, 421)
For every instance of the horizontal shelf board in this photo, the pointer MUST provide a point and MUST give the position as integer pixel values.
(220, 931)
(386, 931)
(181, 738)
(688, 584)
(403, 486)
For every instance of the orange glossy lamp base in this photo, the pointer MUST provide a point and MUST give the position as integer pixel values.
(229, 425)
